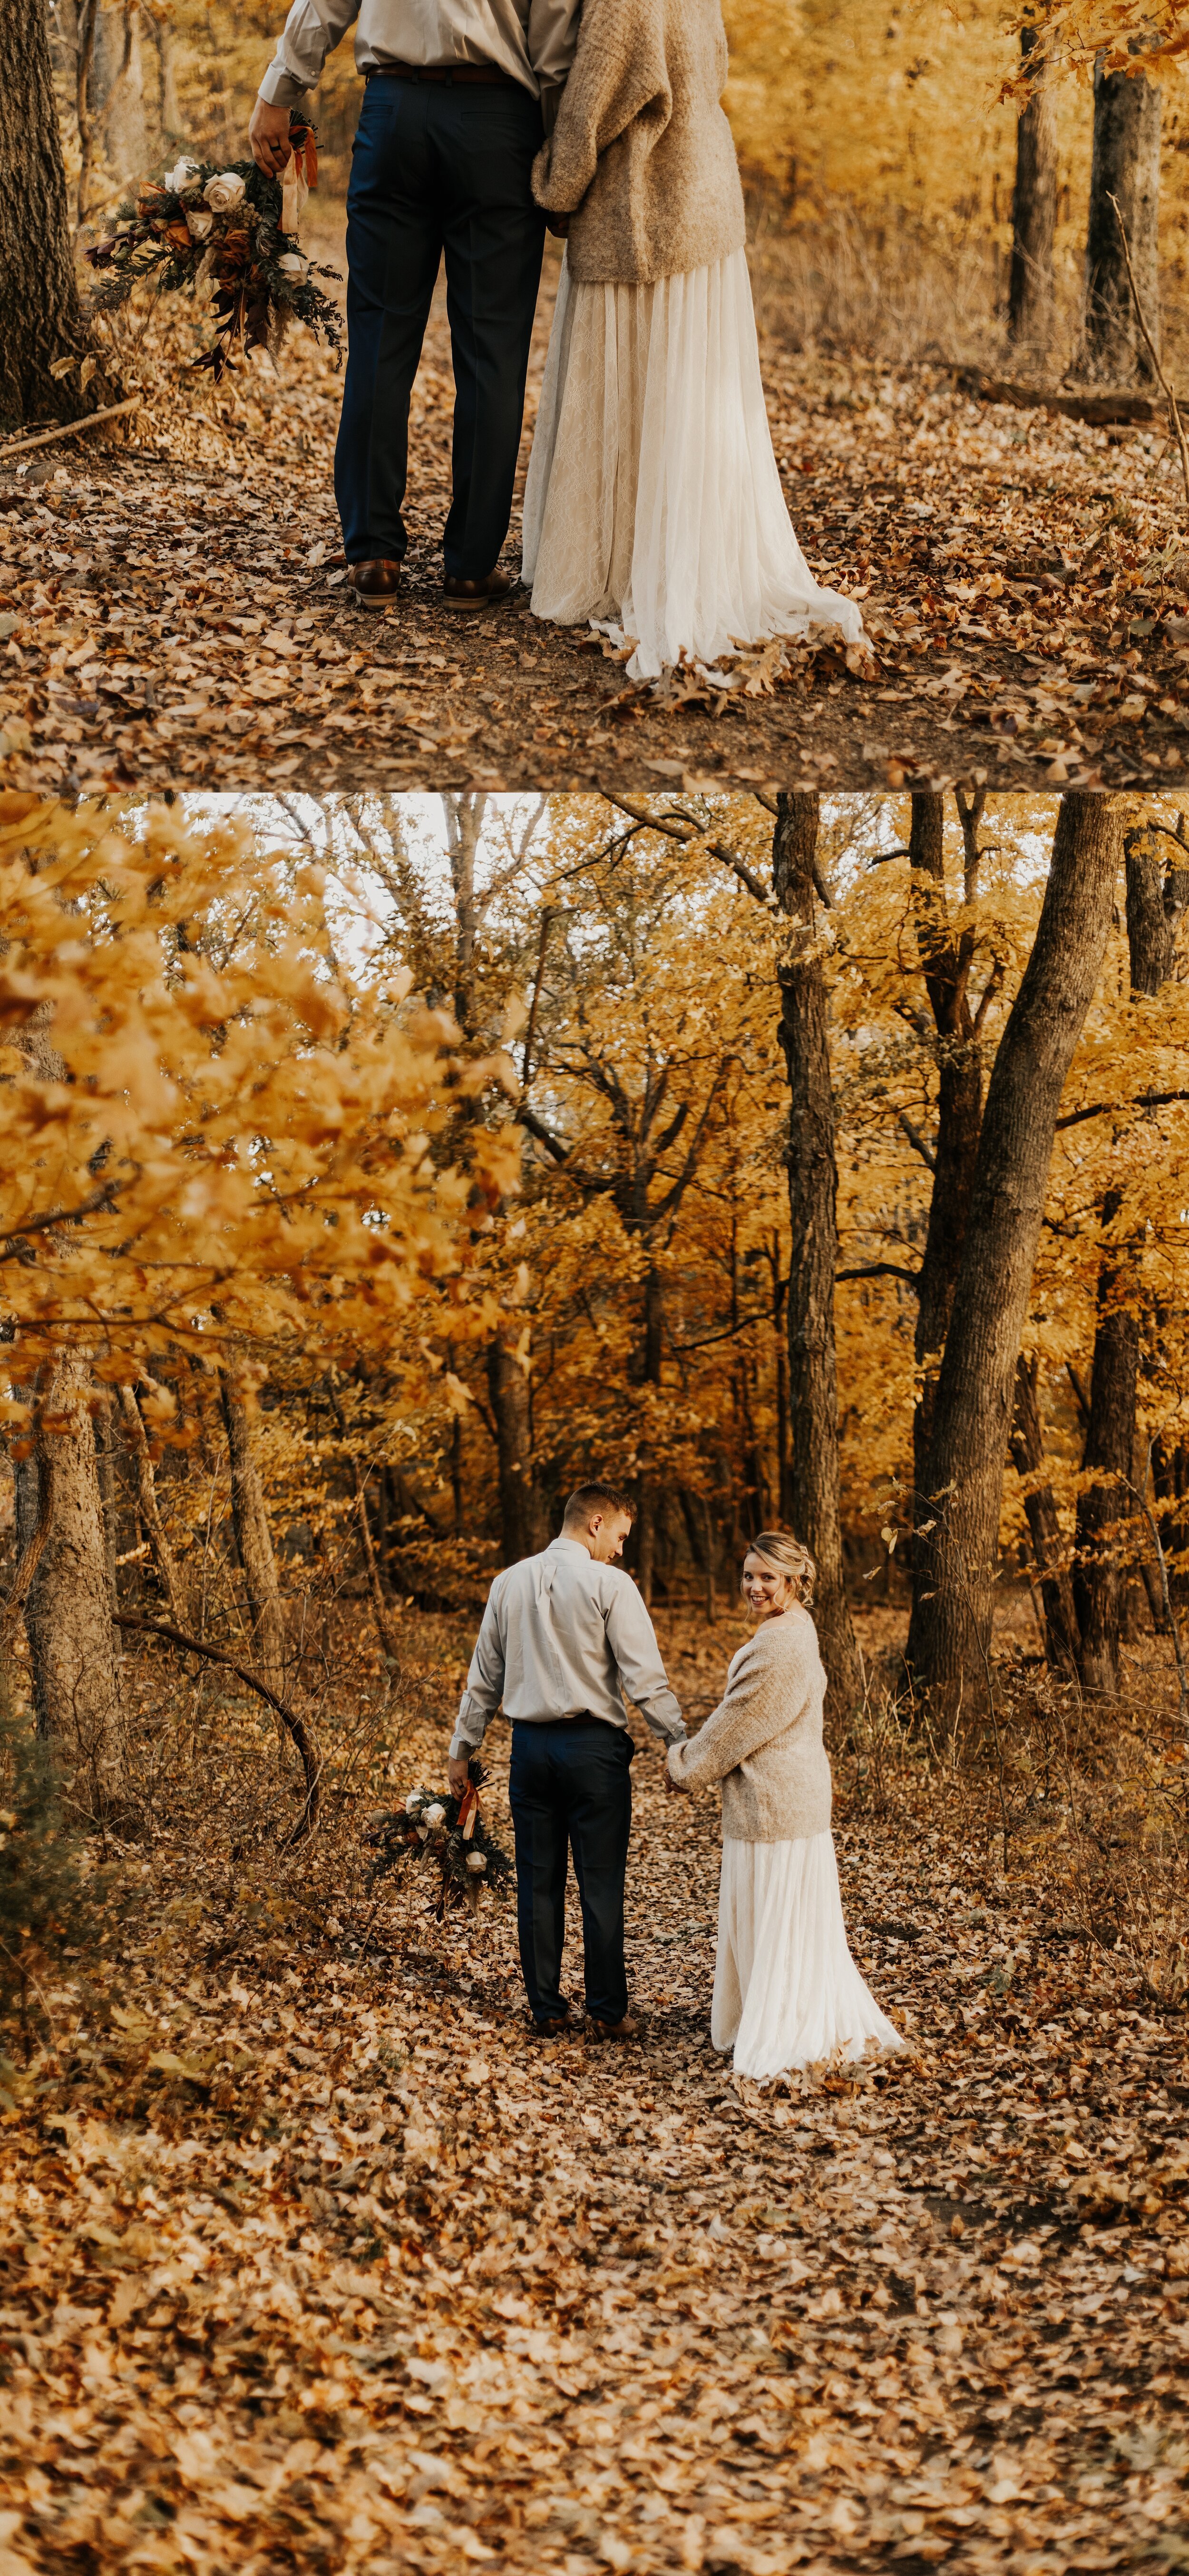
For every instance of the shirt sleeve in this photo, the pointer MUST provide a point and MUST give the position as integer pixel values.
(311, 32)
(619, 75)
(758, 1704)
(485, 1682)
(632, 1639)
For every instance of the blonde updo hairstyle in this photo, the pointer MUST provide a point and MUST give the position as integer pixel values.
(781, 1553)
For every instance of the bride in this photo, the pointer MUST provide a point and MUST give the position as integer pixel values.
(653, 500)
(786, 1990)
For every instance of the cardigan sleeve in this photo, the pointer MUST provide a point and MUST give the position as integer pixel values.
(619, 76)
(763, 1698)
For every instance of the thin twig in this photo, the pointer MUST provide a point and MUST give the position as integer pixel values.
(1150, 345)
(304, 1744)
(1169, 1612)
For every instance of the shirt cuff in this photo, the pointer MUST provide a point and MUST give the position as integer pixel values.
(279, 88)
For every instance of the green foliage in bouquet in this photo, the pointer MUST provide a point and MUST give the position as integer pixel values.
(201, 223)
(447, 1832)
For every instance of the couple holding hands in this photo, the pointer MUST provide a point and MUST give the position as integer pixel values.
(565, 1636)
(653, 504)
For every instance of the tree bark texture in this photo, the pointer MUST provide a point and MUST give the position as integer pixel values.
(41, 315)
(68, 1611)
(1040, 1509)
(946, 962)
(522, 1515)
(813, 1192)
(253, 1539)
(146, 1494)
(1033, 217)
(953, 1577)
(1125, 164)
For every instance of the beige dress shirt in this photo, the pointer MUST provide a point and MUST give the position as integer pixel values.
(564, 1637)
(534, 40)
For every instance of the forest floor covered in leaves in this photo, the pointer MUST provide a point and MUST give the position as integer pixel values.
(170, 611)
(312, 2259)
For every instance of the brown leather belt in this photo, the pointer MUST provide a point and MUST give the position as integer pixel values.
(486, 72)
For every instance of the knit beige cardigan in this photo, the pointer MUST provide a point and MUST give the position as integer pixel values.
(764, 1740)
(641, 155)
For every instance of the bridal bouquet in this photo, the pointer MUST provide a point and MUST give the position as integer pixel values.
(447, 1832)
(235, 229)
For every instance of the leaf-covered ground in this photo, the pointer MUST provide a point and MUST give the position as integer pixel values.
(313, 2260)
(169, 611)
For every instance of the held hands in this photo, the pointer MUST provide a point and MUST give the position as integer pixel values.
(558, 225)
(268, 134)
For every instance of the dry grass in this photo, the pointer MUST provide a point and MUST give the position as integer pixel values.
(875, 283)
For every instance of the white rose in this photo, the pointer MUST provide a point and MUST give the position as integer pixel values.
(477, 1861)
(198, 225)
(224, 192)
(435, 1815)
(291, 264)
(412, 1802)
(183, 174)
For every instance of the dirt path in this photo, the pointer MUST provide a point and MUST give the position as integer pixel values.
(168, 611)
(311, 2259)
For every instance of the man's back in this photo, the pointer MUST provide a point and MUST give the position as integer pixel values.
(564, 1635)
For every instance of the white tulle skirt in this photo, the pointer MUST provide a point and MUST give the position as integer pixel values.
(787, 1992)
(653, 501)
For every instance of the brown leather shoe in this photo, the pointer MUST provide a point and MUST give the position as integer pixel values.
(552, 2029)
(472, 595)
(628, 2028)
(375, 585)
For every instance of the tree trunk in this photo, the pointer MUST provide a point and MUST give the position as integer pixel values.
(1125, 164)
(949, 1640)
(654, 1338)
(41, 316)
(522, 1517)
(68, 1611)
(109, 1496)
(1056, 1589)
(946, 964)
(253, 1538)
(1033, 217)
(146, 1494)
(118, 92)
(813, 1191)
(1156, 902)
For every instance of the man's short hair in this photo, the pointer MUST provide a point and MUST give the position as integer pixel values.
(606, 1499)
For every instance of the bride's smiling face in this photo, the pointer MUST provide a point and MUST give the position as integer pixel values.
(767, 1594)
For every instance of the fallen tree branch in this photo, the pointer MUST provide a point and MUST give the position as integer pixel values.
(1102, 411)
(70, 428)
(311, 1760)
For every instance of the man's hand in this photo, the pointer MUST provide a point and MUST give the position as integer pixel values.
(558, 225)
(458, 1773)
(268, 135)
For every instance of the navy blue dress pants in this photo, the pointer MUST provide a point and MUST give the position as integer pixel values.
(438, 167)
(570, 1789)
